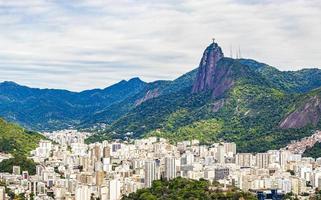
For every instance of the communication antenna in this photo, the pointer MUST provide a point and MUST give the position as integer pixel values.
(240, 52)
(237, 54)
(231, 53)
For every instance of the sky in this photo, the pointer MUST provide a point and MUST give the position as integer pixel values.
(84, 44)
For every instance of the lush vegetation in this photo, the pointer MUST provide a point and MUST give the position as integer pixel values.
(249, 117)
(314, 152)
(204, 130)
(301, 81)
(19, 142)
(16, 140)
(51, 109)
(24, 163)
(180, 189)
(98, 138)
(248, 114)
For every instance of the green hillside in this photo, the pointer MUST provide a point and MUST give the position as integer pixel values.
(249, 113)
(22, 161)
(241, 100)
(16, 140)
(250, 117)
(301, 81)
(181, 188)
(314, 152)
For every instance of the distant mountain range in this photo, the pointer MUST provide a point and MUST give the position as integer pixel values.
(50, 109)
(241, 100)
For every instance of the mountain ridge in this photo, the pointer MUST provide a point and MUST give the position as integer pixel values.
(57, 109)
(242, 100)
(247, 111)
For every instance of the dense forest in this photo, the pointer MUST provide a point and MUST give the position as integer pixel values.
(24, 163)
(18, 142)
(249, 113)
(314, 152)
(244, 101)
(181, 188)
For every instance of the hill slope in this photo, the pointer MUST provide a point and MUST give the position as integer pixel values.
(16, 140)
(301, 81)
(230, 99)
(306, 111)
(240, 100)
(181, 188)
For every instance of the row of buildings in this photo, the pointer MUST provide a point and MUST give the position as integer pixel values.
(71, 169)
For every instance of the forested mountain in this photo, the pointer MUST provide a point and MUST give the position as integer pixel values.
(49, 109)
(241, 100)
(238, 100)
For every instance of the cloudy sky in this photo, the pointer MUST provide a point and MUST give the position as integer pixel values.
(82, 44)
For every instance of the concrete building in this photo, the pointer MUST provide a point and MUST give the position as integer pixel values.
(114, 190)
(16, 170)
(150, 173)
(170, 168)
(244, 159)
(83, 192)
(220, 154)
(2, 193)
(262, 160)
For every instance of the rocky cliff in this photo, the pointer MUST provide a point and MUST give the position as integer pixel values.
(149, 95)
(210, 76)
(307, 114)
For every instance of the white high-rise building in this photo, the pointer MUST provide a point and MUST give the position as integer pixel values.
(43, 151)
(104, 192)
(230, 149)
(114, 189)
(82, 192)
(2, 193)
(284, 157)
(187, 158)
(244, 159)
(170, 168)
(220, 155)
(262, 160)
(150, 172)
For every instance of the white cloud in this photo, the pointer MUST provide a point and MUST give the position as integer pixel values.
(81, 44)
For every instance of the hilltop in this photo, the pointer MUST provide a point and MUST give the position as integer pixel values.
(241, 100)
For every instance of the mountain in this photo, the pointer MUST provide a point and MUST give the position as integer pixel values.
(205, 79)
(238, 100)
(301, 81)
(151, 91)
(241, 100)
(48, 109)
(16, 140)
